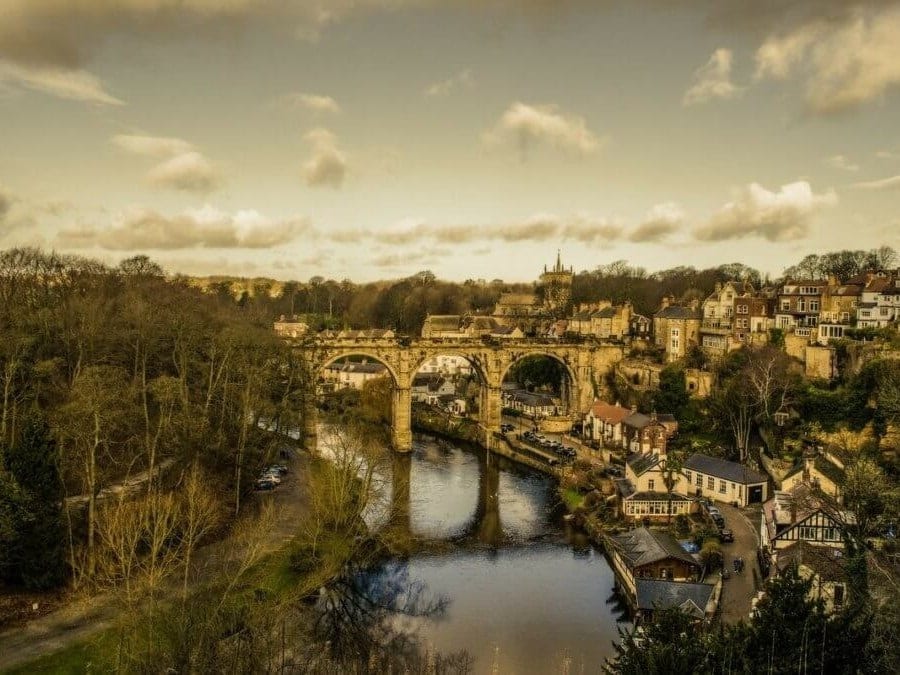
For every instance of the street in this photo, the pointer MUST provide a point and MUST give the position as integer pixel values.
(738, 591)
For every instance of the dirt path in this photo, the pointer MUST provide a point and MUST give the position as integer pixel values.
(86, 617)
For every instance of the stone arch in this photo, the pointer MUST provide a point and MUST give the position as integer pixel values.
(343, 354)
(573, 385)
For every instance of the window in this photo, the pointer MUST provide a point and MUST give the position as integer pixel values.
(710, 483)
(699, 482)
(838, 595)
(722, 486)
(813, 305)
(884, 311)
(650, 484)
(785, 305)
(831, 534)
(687, 474)
(808, 533)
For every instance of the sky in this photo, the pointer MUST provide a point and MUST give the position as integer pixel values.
(371, 139)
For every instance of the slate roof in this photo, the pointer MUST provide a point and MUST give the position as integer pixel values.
(369, 368)
(655, 497)
(443, 321)
(641, 547)
(690, 598)
(722, 468)
(636, 420)
(641, 463)
(677, 312)
(825, 561)
(528, 398)
(605, 313)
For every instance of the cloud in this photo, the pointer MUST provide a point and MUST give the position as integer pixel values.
(537, 228)
(328, 165)
(206, 227)
(661, 221)
(887, 154)
(841, 162)
(71, 84)
(184, 168)
(784, 215)
(713, 80)
(151, 146)
(891, 183)
(844, 62)
(6, 202)
(313, 102)
(527, 125)
(462, 79)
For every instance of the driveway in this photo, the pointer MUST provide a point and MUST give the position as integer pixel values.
(738, 591)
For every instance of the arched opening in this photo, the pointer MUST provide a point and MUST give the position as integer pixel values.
(356, 386)
(538, 390)
(449, 387)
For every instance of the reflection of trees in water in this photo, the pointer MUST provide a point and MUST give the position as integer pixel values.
(366, 620)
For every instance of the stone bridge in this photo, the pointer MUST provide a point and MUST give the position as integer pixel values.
(585, 364)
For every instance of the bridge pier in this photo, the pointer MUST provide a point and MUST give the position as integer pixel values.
(401, 419)
(491, 413)
(310, 426)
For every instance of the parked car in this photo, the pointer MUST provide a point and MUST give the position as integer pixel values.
(280, 468)
(273, 476)
(265, 484)
(718, 520)
(713, 511)
(726, 535)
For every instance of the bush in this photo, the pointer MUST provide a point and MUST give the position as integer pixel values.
(682, 525)
(711, 553)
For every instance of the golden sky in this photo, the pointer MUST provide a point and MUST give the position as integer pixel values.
(375, 138)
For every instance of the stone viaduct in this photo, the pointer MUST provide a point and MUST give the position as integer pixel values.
(586, 364)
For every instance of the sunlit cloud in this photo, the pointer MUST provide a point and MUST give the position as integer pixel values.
(713, 80)
(316, 103)
(328, 165)
(842, 163)
(527, 125)
(205, 227)
(661, 221)
(184, 168)
(890, 183)
(783, 215)
(71, 84)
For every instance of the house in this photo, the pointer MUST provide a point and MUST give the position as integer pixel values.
(649, 554)
(355, 375)
(676, 328)
(603, 423)
(718, 317)
(753, 317)
(723, 481)
(823, 565)
(798, 306)
(447, 364)
(531, 404)
(821, 470)
(640, 326)
(507, 333)
(647, 433)
(602, 320)
(790, 517)
(839, 305)
(557, 329)
(879, 304)
(442, 326)
(698, 601)
(430, 387)
(642, 493)
(290, 327)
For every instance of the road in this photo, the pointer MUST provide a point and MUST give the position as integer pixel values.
(87, 616)
(738, 591)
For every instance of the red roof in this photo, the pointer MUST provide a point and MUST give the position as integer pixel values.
(609, 413)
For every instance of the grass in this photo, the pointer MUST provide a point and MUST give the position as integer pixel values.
(572, 498)
(76, 658)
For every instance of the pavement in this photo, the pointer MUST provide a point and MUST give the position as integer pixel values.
(739, 590)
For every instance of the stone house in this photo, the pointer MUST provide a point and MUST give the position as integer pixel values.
(603, 423)
(430, 388)
(676, 328)
(718, 309)
(839, 306)
(649, 554)
(647, 433)
(820, 470)
(291, 327)
(823, 565)
(879, 304)
(798, 307)
(753, 317)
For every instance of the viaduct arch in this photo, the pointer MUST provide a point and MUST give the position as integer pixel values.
(585, 363)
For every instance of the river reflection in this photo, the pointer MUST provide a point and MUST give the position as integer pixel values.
(515, 594)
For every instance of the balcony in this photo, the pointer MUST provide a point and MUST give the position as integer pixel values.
(716, 326)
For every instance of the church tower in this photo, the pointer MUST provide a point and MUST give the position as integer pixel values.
(557, 284)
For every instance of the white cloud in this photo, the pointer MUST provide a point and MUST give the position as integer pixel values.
(188, 172)
(891, 183)
(660, 221)
(71, 84)
(844, 63)
(462, 79)
(527, 125)
(206, 227)
(313, 102)
(184, 168)
(784, 215)
(151, 146)
(713, 80)
(328, 165)
(841, 162)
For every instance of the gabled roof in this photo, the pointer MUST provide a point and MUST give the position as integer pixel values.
(677, 312)
(652, 496)
(722, 468)
(690, 598)
(637, 420)
(825, 561)
(605, 313)
(443, 321)
(612, 414)
(642, 546)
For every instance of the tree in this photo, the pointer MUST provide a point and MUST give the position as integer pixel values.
(671, 473)
(669, 645)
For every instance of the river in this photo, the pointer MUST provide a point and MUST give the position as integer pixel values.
(521, 597)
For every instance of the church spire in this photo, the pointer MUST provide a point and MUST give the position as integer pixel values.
(558, 261)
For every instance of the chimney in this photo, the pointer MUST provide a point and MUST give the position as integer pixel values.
(718, 286)
(694, 304)
(665, 302)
